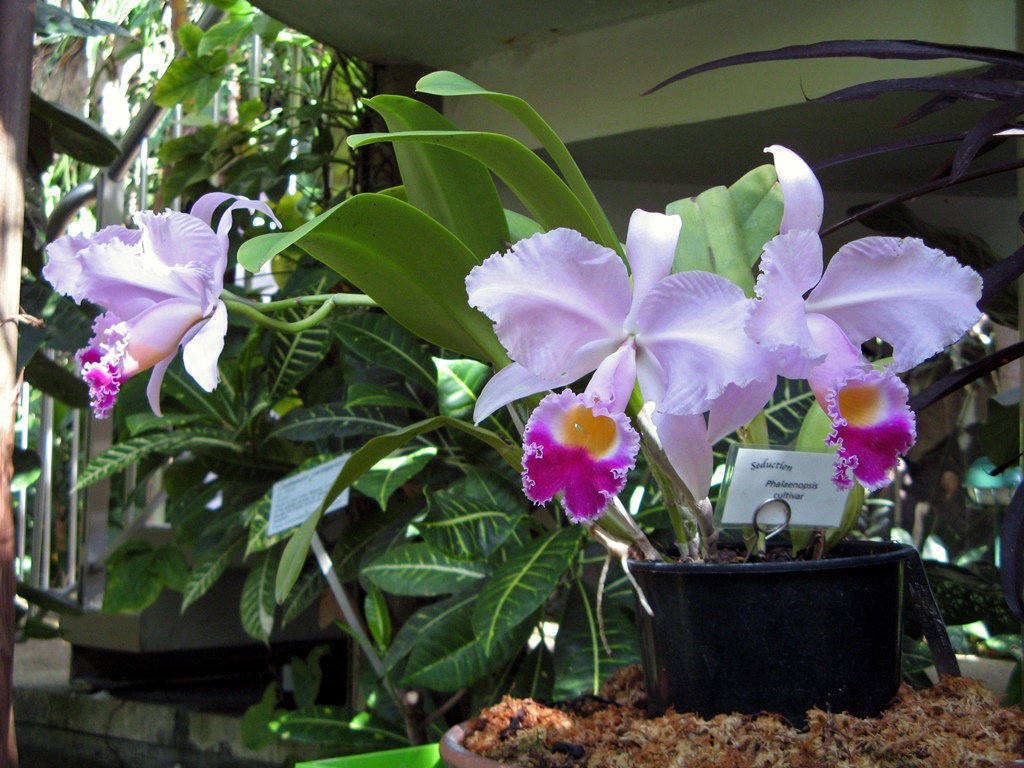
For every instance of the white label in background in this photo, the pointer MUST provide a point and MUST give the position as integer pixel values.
(802, 480)
(295, 498)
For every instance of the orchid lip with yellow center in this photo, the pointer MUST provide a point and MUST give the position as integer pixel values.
(871, 426)
(585, 453)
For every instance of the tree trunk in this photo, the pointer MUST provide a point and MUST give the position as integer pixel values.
(16, 33)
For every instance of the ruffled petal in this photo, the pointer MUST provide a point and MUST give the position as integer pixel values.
(803, 202)
(790, 266)
(685, 441)
(204, 208)
(737, 406)
(171, 239)
(513, 382)
(650, 250)
(158, 332)
(585, 453)
(692, 342)
(872, 426)
(558, 302)
(202, 346)
(916, 298)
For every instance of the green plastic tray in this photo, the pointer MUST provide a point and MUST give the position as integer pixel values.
(426, 756)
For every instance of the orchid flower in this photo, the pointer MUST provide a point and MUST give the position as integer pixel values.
(160, 285)
(564, 307)
(814, 320)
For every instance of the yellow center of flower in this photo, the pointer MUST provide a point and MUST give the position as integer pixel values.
(862, 406)
(581, 428)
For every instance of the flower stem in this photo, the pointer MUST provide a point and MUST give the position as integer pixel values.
(257, 311)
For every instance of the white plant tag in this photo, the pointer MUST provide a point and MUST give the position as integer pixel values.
(802, 480)
(295, 498)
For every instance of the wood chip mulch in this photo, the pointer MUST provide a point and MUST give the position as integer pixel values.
(955, 724)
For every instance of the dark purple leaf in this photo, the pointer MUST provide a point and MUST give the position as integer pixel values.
(980, 136)
(964, 376)
(1011, 549)
(930, 107)
(911, 50)
(977, 88)
(889, 146)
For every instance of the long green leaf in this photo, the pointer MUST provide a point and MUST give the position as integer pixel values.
(361, 462)
(414, 268)
(420, 570)
(210, 565)
(380, 341)
(390, 474)
(257, 605)
(424, 620)
(448, 655)
(548, 199)
(357, 732)
(454, 189)
(294, 355)
(336, 420)
(472, 517)
(123, 455)
(522, 584)
(445, 83)
(581, 661)
(459, 383)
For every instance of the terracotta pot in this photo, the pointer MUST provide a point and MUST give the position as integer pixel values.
(779, 637)
(454, 755)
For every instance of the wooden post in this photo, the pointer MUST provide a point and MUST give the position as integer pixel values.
(16, 33)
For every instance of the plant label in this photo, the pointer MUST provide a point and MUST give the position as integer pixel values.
(765, 481)
(295, 498)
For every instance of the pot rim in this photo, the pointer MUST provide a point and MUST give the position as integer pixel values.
(452, 751)
(851, 554)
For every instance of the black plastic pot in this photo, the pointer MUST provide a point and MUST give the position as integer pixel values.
(779, 637)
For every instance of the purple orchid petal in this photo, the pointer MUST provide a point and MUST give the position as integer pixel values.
(872, 425)
(916, 298)
(204, 208)
(585, 453)
(737, 406)
(558, 302)
(513, 382)
(791, 265)
(871, 421)
(692, 342)
(803, 202)
(650, 250)
(201, 348)
(685, 441)
(612, 383)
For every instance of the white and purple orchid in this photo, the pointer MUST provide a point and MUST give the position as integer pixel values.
(160, 285)
(814, 319)
(565, 307)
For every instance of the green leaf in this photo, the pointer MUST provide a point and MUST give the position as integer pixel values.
(306, 592)
(307, 676)
(540, 189)
(294, 355)
(425, 620)
(190, 80)
(448, 655)
(225, 34)
(451, 188)
(336, 420)
(354, 732)
(27, 469)
(757, 197)
(472, 517)
(522, 584)
(75, 135)
(122, 455)
(445, 83)
(210, 565)
(137, 574)
(458, 385)
(379, 340)
(363, 394)
(390, 474)
(258, 605)
(255, 725)
(581, 661)
(420, 570)
(712, 238)
(378, 618)
(51, 20)
(361, 462)
(409, 264)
